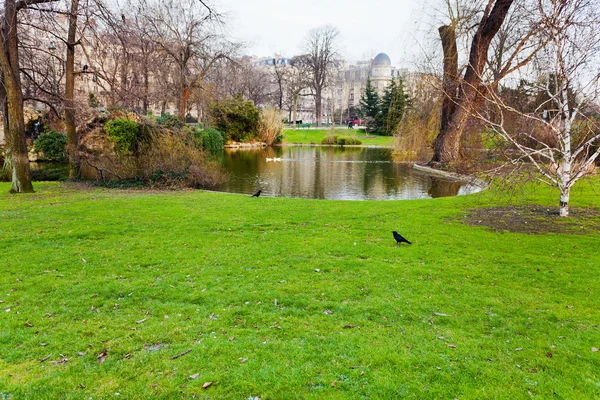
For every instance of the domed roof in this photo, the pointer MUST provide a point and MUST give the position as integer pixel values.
(382, 60)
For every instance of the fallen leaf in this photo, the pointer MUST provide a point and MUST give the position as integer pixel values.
(333, 384)
(349, 326)
(81, 354)
(437, 314)
(45, 358)
(212, 316)
(328, 312)
(595, 349)
(518, 349)
(243, 360)
(194, 376)
(231, 339)
(206, 384)
(549, 355)
(102, 356)
(451, 345)
(141, 321)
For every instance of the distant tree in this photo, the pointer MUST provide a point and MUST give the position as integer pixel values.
(188, 34)
(297, 79)
(393, 106)
(371, 107)
(322, 55)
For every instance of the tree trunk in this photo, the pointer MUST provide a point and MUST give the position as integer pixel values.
(318, 100)
(295, 109)
(146, 73)
(182, 103)
(447, 144)
(16, 148)
(450, 80)
(567, 156)
(70, 123)
(564, 201)
(332, 130)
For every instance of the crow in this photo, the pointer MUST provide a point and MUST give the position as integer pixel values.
(399, 238)
(257, 194)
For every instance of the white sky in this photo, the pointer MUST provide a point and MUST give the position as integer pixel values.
(367, 27)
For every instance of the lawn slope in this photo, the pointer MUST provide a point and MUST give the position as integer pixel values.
(290, 298)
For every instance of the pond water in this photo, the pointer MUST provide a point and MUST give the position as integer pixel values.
(345, 173)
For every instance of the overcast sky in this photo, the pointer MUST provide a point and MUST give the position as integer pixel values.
(367, 27)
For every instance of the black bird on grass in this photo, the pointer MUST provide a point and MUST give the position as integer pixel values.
(257, 194)
(399, 238)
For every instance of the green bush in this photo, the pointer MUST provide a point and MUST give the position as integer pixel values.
(236, 118)
(170, 121)
(211, 140)
(341, 140)
(123, 133)
(53, 145)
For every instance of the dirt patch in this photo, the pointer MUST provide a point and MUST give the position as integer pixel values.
(535, 219)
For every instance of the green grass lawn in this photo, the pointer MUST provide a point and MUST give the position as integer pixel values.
(307, 136)
(291, 298)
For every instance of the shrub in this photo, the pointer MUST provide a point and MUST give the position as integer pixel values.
(236, 118)
(123, 133)
(211, 140)
(171, 162)
(270, 127)
(341, 140)
(53, 145)
(170, 121)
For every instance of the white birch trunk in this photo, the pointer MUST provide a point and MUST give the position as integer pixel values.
(565, 174)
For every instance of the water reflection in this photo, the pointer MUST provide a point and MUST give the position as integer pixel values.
(331, 173)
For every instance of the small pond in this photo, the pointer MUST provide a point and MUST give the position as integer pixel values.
(314, 172)
(345, 173)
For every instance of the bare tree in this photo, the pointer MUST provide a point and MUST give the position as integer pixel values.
(321, 48)
(514, 49)
(297, 79)
(566, 142)
(188, 34)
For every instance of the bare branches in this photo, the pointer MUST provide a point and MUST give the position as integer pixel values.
(321, 47)
(564, 140)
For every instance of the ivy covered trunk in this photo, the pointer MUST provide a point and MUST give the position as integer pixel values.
(14, 123)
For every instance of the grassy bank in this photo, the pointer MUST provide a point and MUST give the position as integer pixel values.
(308, 136)
(291, 298)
